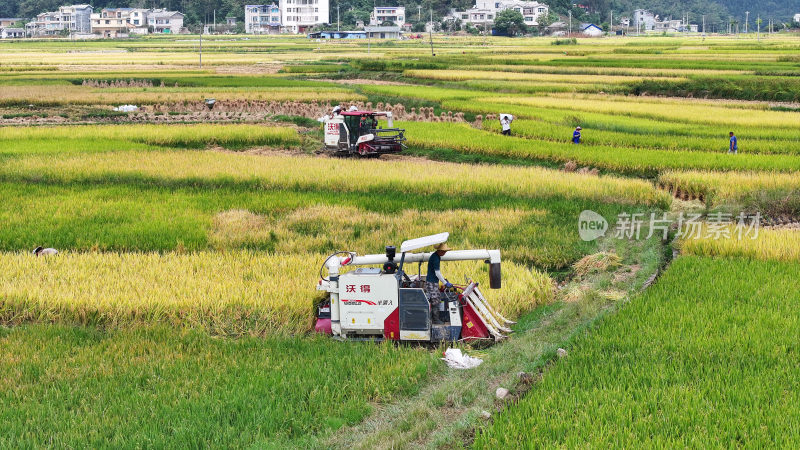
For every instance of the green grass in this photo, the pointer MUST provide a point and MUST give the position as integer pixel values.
(700, 360)
(161, 388)
(99, 138)
(129, 215)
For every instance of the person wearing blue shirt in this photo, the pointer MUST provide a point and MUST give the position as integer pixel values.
(433, 278)
(576, 136)
(734, 146)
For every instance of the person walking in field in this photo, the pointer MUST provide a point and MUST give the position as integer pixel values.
(734, 145)
(576, 135)
(505, 123)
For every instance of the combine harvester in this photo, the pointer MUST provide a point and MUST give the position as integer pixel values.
(387, 303)
(357, 133)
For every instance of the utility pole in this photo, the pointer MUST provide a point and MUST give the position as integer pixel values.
(704, 27)
(746, 20)
(758, 24)
(215, 20)
(419, 13)
(570, 23)
(430, 34)
(338, 22)
(201, 48)
(611, 26)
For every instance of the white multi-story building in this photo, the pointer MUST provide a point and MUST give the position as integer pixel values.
(394, 14)
(485, 11)
(160, 21)
(797, 18)
(299, 16)
(644, 20)
(138, 21)
(77, 18)
(112, 22)
(121, 22)
(262, 19)
(73, 19)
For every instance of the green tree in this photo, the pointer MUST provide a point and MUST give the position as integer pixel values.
(509, 23)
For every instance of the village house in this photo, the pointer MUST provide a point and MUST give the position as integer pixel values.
(381, 32)
(644, 20)
(69, 19)
(288, 16)
(160, 21)
(262, 19)
(12, 33)
(9, 22)
(485, 11)
(299, 16)
(591, 30)
(112, 22)
(382, 14)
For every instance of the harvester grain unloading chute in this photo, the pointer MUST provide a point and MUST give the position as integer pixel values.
(387, 303)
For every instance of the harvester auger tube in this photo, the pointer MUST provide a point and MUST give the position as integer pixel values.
(384, 302)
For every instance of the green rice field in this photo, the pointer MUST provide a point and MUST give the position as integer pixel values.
(179, 311)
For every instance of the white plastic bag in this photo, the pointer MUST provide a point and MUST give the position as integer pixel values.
(457, 360)
(127, 108)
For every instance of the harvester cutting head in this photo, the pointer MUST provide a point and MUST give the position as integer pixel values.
(358, 133)
(385, 302)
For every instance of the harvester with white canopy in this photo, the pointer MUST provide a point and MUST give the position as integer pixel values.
(386, 302)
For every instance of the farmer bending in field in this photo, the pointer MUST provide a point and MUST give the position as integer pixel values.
(576, 135)
(432, 281)
(734, 146)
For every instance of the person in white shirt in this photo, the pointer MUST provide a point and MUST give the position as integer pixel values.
(505, 123)
(41, 251)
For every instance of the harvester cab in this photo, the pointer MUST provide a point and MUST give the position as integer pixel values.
(359, 133)
(386, 302)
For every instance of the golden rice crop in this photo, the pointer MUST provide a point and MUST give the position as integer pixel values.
(465, 75)
(770, 245)
(81, 95)
(716, 115)
(227, 293)
(185, 59)
(345, 227)
(721, 187)
(600, 70)
(340, 175)
(142, 132)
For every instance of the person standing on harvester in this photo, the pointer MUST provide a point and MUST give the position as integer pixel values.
(734, 145)
(576, 135)
(505, 123)
(433, 278)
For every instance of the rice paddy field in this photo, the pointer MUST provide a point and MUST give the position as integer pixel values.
(179, 310)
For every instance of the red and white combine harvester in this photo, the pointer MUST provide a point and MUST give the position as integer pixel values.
(386, 302)
(358, 133)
